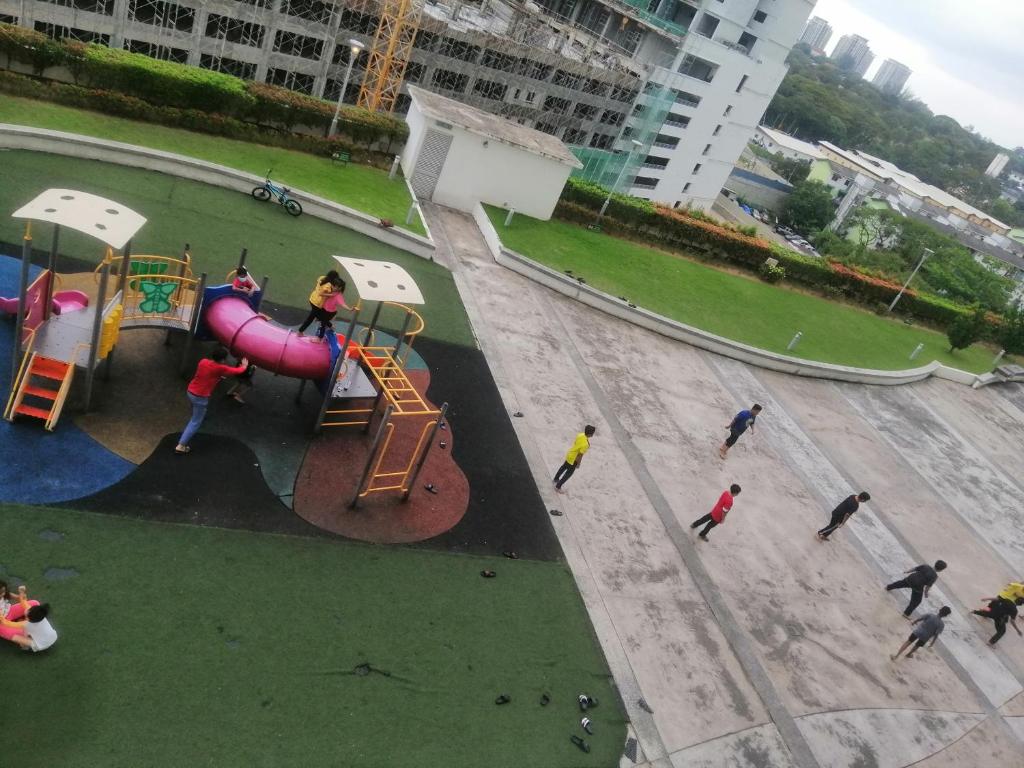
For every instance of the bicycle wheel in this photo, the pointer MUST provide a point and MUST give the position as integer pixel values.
(293, 207)
(261, 193)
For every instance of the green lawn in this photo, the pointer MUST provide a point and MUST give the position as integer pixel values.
(734, 306)
(218, 223)
(183, 645)
(357, 186)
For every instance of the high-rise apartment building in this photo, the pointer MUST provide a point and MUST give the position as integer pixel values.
(891, 77)
(853, 53)
(995, 168)
(817, 33)
(675, 87)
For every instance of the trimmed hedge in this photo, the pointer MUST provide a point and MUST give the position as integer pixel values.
(120, 105)
(166, 84)
(666, 228)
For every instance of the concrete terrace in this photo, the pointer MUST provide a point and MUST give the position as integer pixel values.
(766, 647)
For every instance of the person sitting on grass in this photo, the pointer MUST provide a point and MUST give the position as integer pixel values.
(35, 634)
(243, 282)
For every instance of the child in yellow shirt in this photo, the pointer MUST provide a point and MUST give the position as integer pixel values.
(574, 456)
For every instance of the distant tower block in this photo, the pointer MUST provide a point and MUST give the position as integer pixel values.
(389, 55)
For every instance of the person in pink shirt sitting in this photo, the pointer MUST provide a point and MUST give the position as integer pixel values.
(243, 282)
(26, 624)
(717, 514)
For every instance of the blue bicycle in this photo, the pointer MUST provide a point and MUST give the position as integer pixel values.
(270, 189)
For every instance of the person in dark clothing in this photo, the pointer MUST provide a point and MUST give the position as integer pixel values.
(842, 513)
(926, 628)
(1001, 611)
(740, 423)
(919, 581)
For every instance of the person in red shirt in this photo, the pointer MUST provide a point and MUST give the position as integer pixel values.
(209, 372)
(717, 514)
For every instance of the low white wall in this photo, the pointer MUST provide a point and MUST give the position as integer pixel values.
(86, 147)
(608, 304)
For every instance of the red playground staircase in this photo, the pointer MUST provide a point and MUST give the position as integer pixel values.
(40, 391)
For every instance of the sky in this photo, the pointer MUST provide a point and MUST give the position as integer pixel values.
(966, 55)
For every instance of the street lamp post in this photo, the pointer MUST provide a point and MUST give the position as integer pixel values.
(355, 47)
(924, 255)
(629, 159)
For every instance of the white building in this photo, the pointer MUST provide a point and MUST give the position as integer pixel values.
(997, 165)
(458, 156)
(724, 74)
(853, 53)
(788, 146)
(892, 77)
(817, 33)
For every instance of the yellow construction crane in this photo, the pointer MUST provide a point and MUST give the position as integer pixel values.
(389, 54)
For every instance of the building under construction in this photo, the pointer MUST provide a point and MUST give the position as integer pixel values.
(602, 75)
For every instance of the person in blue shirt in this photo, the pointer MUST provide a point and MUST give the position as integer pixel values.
(741, 422)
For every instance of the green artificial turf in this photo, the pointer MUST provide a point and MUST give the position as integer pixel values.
(357, 186)
(217, 223)
(737, 307)
(184, 645)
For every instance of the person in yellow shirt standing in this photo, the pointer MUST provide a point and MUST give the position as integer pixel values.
(575, 455)
(325, 286)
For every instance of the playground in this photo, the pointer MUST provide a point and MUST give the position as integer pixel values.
(289, 509)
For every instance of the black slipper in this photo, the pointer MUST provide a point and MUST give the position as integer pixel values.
(488, 574)
(517, 415)
(430, 488)
(511, 555)
(545, 700)
(580, 743)
(556, 512)
(503, 699)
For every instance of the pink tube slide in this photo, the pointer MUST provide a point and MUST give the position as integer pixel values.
(266, 344)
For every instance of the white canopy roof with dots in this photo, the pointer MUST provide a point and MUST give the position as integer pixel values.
(110, 222)
(381, 280)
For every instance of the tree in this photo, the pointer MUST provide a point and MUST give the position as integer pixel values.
(966, 329)
(792, 170)
(1013, 331)
(809, 207)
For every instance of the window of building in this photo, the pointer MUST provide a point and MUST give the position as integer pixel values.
(602, 141)
(57, 32)
(365, 24)
(595, 87)
(234, 30)
(707, 149)
(696, 169)
(551, 128)
(676, 121)
(164, 15)
(499, 61)
(652, 161)
(707, 25)
(696, 67)
(585, 111)
(743, 81)
(458, 49)
(154, 51)
(446, 80)
(332, 89)
(294, 44)
(666, 142)
(556, 105)
(686, 187)
(728, 111)
(424, 41)
(104, 7)
(646, 182)
(242, 69)
(717, 130)
(835, 177)
(638, 109)
(413, 71)
(611, 117)
(310, 10)
(687, 99)
(296, 81)
(490, 89)
(402, 103)
(760, 16)
(343, 52)
(8, 19)
(535, 69)
(746, 42)
(567, 79)
(627, 95)
(574, 136)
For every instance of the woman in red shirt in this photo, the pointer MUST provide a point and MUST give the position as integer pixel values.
(209, 372)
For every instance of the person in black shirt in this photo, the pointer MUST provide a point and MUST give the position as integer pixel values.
(919, 581)
(842, 513)
(1001, 610)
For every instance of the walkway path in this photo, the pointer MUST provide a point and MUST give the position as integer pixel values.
(765, 647)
